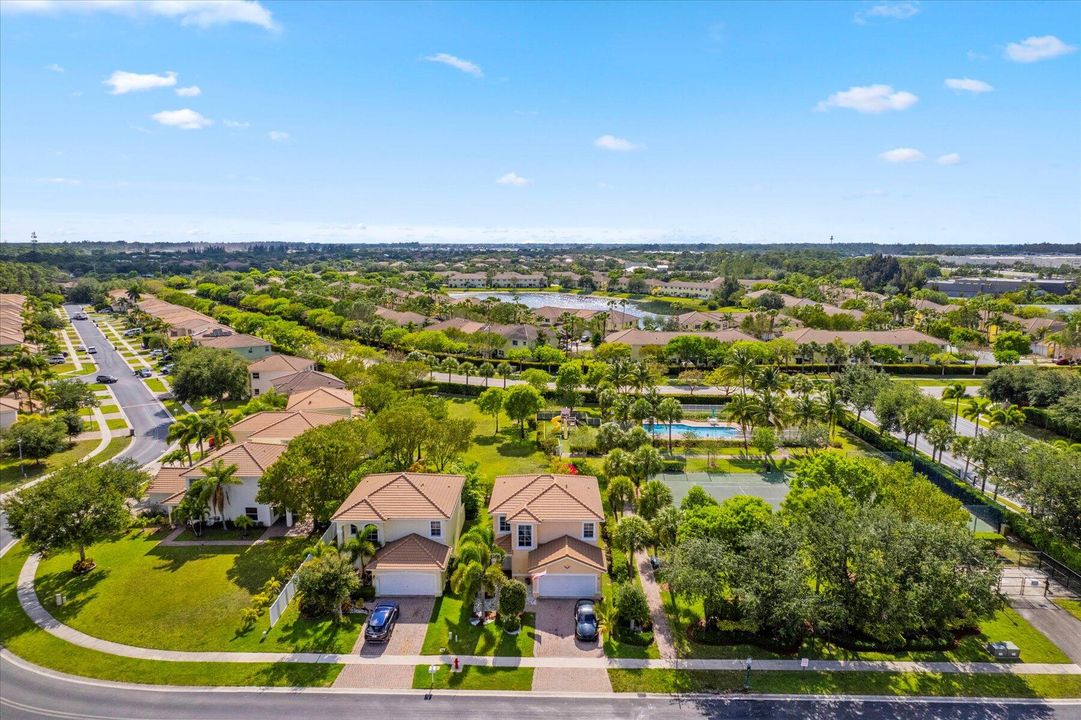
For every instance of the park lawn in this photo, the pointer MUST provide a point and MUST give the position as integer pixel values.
(11, 476)
(116, 423)
(1071, 606)
(109, 409)
(22, 637)
(847, 683)
(474, 677)
(502, 454)
(450, 614)
(181, 598)
(155, 385)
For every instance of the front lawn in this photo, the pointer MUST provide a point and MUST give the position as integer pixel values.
(110, 409)
(217, 532)
(183, 598)
(450, 615)
(851, 683)
(12, 476)
(22, 637)
(474, 677)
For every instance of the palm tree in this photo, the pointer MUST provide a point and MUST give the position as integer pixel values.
(833, 407)
(504, 370)
(806, 410)
(740, 366)
(975, 408)
(742, 410)
(1009, 415)
(478, 563)
(955, 391)
(669, 411)
(467, 368)
(449, 365)
(218, 428)
(640, 376)
(214, 486)
(773, 410)
(770, 379)
(486, 371)
(362, 546)
(186, 430)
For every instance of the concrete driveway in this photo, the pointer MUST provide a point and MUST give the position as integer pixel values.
(407, 639)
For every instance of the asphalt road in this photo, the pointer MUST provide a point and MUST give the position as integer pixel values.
(32, 693)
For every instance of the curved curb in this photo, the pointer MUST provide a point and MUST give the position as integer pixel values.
(41, 617)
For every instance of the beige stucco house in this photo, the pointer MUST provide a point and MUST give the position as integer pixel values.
(417, 519)
(549, 526)
(263, 372)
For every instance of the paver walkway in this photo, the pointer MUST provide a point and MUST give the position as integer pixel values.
(662, 632)
(41, 617)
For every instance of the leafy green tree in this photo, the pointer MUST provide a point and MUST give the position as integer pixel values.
(75, 507)
(324, 583)
(72, 395)
(522, 403)
(212, 373)
(404, 426)
(630, 604)
(35, 438)
(764, 440)
(569, 379)
(512, 599)
(538, 379)
(653, 496)
(698, 569)
(447, 440)
(490, 402)
(696, 497)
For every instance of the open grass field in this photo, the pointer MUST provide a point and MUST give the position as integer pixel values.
(504, 453)
(11, 470)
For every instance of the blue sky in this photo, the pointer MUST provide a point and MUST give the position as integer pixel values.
(757, 122)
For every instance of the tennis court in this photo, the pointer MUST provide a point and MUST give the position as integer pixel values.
(770, 486)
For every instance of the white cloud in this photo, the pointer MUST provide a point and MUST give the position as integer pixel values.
(193, 91)
(968, 85)
(1038, 48)
(973, 55)
(512, 179)
(185, 119)
(869, 99)
(456, 62)
(616, 144)
(55, 68)
(201, 13)
(888, 10)
(236, 124)
(60, 181)
(278, 135)
(949, 159)
(902, 155)
(123, 81)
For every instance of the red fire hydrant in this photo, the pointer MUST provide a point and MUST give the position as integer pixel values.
(457, 667)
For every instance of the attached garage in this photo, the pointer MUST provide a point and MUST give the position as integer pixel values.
(407, 583)
(567, 586)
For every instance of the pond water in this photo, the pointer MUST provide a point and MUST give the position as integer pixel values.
(561, 300)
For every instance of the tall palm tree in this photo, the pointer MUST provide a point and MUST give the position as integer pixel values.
(833, 407)
(975, 408)
(218, 428)
(362, 546)
(640, 376)
(806, 410)
(742, 410)
(186, 430)
(467, 368)
(1010, 415)
(504, 370)
(669, 411)
(619, 373)
(486, 371)
(449, 365)
(773, 410)
(740, 365)
(770, 379)
(956, 392)
(214, 486)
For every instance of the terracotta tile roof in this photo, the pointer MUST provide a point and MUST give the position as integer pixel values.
(278, 362)
(547, 497)
(279, 424)
(503, 543)
(901, 336)
(411, 552)
(402, 495)
(251, 457)
(643, 338)
(170, 482)
(9, 403)
(400, 317)
(306, 380)
(229, 342)
(321, 399)
(566, 548)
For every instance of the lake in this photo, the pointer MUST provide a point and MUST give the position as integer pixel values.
(562, 300)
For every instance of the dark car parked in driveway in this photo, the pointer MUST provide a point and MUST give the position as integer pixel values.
(585, 621)
(107, 379)
(381, 621)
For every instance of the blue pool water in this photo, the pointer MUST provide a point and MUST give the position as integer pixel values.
(680, 429)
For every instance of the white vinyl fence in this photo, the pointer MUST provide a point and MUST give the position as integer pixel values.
(277, 608)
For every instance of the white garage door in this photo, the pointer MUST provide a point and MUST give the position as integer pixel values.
(566, 586)
(405, 583)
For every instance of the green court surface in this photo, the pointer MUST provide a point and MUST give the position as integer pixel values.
(770, 486)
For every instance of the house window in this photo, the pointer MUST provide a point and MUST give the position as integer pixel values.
(504, 526)
(588, 531)
(252, 512)
(255, 376)
(255, 392)
(373, 534)
(525, 536)
(435, 528)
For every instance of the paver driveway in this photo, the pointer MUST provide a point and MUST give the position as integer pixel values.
(407, 639)
(555, 638)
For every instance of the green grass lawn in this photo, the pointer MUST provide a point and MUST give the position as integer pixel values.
(854, 683)
(1006, 624)
(19, 635)
(474, 677)
(116, 423)
(1071, 606)
(216, 532)
(939, 381)
(450, 615)
(183, 598)
(11, 475)
(108, 409)
(155, 385)
(98, 386)
(502, 454)
(114, 448)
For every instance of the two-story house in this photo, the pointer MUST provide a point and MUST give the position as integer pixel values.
(417, 518)
(263, 372)
(549, 526)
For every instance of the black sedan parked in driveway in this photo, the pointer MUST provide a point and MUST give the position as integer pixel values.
(381, 621)
(107, 379)
(585, 621)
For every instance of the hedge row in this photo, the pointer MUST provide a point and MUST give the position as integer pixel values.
(1043, 419)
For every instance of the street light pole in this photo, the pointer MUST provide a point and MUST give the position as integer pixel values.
(747, 677)
(21, 465)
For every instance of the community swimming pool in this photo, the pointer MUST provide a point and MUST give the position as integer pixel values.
(711, 432)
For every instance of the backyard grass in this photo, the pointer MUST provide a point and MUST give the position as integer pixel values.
(502, 454)
(851, 683)
(19, 635)
(1006, 624)
(116, 423)
(11, 476)
(451, 615)
(474, 677)
(183, 598)
(1071, 606)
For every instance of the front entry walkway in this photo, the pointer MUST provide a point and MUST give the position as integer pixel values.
(662, 632)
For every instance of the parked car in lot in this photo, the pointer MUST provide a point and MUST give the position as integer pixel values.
(585, 621)
(381, 621)
(107, 379)
(156, 353)
(92, 350)
(1066, 361)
